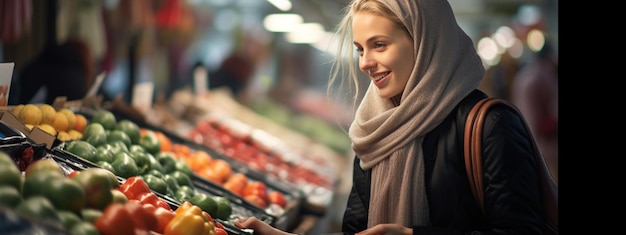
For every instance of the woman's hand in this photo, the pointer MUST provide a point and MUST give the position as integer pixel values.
(259, 227)
(387, 229)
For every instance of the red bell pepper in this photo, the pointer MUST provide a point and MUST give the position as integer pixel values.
(144, 220)
(115, 220)
(136, 188)
(153, 199)
(163, 216)
(126, 219)
(133, 187)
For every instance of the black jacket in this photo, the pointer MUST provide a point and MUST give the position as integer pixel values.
(512, 190)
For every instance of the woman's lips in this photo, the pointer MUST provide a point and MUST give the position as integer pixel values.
(380, 79)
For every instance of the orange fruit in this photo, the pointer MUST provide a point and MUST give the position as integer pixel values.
(235, 187)
(209, 173)
(238, 177)
(48, 113)
(198, 159)
(30, 114)
(236, 183)
(166, 143)
(181, 150)
(60, 122)
(81, 122)
(71, 117)
(221, 170)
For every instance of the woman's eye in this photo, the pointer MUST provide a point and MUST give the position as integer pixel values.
(379, 45)
(359, 49)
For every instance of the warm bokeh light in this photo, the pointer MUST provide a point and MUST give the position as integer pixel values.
(306, 33)
(281, 22)
(535, 40)
(488, 50)
(504, 36)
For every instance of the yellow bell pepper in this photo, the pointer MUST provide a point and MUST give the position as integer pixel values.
(189, 220)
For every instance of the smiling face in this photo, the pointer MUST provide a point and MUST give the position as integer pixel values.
(385, 52)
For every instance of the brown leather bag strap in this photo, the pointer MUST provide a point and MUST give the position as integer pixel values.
(472, 150)
(473, 162)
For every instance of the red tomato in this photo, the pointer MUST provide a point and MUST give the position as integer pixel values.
(220, 231)
(275, 197)
(256, 188)
(235, 186)
(255, 200)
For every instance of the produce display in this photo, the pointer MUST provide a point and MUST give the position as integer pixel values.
(90, 201)
(260, 151)
(255, 153)
(107, 171)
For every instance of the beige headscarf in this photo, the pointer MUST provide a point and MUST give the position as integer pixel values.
(388, 139)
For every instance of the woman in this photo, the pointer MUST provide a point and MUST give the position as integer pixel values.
(409, 175)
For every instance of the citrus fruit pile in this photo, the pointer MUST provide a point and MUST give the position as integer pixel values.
(62, 123)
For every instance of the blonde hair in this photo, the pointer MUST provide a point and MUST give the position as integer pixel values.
(343, 83)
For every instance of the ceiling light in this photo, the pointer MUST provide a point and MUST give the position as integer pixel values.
(281, 22)
(306, 33)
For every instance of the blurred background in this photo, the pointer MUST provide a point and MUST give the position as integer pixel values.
(263, 51)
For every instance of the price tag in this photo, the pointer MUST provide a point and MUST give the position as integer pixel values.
(142, 96)
(200, 80)
(6, 74)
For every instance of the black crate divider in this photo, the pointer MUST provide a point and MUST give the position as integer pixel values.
(9, 131)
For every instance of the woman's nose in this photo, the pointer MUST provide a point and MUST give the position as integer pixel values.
(366, 63)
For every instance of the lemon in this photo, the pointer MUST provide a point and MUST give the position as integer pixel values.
(48, 128)
(30, 114)
(64, 136)
(16, 111)
(48, 113)
(60, 122)
(75, 135)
